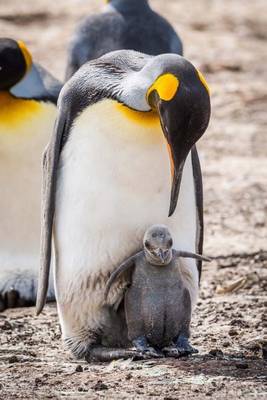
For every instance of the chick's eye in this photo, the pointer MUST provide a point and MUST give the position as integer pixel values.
(154, 235)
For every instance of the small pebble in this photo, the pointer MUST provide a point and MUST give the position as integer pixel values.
(100, 386)
(216, 353)
(209, 393)
(79, 368)
(81, 389)
(239, 322)
(38, 381)
(241, 365)
(5, 326)
(13, 359)
(233, 332)
(264, 352)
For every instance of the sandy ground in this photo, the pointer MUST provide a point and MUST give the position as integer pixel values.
(227, 41)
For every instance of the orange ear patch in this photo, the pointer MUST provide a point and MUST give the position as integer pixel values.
(26, 54)
(203, 81)
(166, 86)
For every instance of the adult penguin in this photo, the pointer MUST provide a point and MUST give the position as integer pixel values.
(28, 96)
(125, 120)
(123, 24)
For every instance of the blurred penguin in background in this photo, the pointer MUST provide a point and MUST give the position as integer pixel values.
(123, 24)
(28, 97)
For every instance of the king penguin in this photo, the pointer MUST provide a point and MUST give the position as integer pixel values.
(122, 158)
(123, 24)
(28, 96)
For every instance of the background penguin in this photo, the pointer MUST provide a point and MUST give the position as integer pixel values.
(157, 303)
(124, 121)
(28, 96)
(123, 24)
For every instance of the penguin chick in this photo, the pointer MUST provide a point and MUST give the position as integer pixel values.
(157, 303)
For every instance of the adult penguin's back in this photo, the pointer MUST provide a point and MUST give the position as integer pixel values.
(123, 24)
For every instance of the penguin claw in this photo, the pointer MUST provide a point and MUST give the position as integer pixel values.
(186, 351)
(171, 351)
(141, 345)
(153, 353)
(146, 354)
(184, 347)
(106, 354)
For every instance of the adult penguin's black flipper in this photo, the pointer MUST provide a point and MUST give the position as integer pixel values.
(199, 205)
(50, 163)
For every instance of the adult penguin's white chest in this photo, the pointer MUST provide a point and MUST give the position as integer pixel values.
(25, 127)
(114, 181)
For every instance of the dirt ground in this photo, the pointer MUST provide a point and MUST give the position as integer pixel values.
(227, 41)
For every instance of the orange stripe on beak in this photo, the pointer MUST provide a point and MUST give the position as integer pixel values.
(171, 158)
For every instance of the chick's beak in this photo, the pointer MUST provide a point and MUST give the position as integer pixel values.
(162, 256)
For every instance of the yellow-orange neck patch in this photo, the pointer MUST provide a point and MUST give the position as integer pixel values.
(14, 111)
(26, 54)
(203, 81)
(166, 86)
(139, 117)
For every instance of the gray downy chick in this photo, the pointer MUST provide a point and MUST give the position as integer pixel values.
(157, 303)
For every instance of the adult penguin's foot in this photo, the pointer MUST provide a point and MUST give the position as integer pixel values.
(106, 354)
(184, 347)
(141, 345)
(18, 289)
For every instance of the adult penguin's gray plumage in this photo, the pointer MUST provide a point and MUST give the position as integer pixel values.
(28, 96)
(125, 120)
(123, 24)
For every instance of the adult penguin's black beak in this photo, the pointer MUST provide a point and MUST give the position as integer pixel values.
(184, 111)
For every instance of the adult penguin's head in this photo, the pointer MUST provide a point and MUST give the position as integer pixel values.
(172, 88)
(166, 88)
(15, 61)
